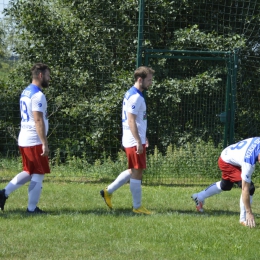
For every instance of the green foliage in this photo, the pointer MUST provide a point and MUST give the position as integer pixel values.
(91, 50)
(1, 44)
(193, 37)
(189, 161)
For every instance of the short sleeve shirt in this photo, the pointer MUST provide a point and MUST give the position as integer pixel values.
(32, 99)
(243, 154)
(134, 103)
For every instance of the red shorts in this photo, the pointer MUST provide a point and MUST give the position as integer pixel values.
(136, 161)
(33, 162)
(229, 172)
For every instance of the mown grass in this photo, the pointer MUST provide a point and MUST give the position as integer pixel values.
(80, 226)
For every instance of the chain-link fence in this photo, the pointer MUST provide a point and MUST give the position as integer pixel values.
(205, 93)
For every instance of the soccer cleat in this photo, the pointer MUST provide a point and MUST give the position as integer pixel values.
(3, 198)
(142, 210)
(35, 211)
(199, 204)
(107, 197)
(243, 223)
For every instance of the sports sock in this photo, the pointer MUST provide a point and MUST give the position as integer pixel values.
(34, 191)
(211, 190)
(136, 190)
(121, 179)
(19, 180)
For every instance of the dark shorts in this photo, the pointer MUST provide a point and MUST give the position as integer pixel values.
(33, 162)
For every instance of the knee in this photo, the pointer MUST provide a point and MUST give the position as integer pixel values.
(37, 177)
(226, 185)
(252, 189)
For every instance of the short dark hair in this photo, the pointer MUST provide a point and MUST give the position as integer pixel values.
(39, 68)
(143, 72)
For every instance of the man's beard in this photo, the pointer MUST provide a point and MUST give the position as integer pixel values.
(45, 84)
(143, 87)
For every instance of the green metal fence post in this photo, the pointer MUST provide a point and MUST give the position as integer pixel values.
(232, 72)
(227, 110)
(140, 33)
(233, 93)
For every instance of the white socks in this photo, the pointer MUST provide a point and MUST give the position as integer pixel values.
(211, 190)
(135, 187)
(121, 179)
(19, 180)
(34, 191)
(136, 190)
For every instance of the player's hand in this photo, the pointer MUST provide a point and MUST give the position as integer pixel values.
(45, 150)
(139, 148)
(146, 143)
(250, 220)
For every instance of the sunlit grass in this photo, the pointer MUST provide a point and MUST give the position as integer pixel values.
(80, 226)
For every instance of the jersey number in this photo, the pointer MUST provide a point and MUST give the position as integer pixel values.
(239, 145)
(124, 118)
(24, 112)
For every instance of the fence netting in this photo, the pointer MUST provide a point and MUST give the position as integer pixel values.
(204, 96)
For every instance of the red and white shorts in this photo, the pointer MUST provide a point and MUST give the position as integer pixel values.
(136, 161)
(229, 172)
(33, 162)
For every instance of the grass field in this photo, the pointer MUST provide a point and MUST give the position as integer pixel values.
(80, 226)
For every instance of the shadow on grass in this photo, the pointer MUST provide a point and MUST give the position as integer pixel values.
(119, 212)
(69, 212)
(82, 180)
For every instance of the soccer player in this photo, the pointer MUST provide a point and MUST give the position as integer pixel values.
(237, 163)
(32, 139)
(134, 124)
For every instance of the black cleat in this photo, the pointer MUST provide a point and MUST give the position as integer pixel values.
(3, 198)
(36, 211)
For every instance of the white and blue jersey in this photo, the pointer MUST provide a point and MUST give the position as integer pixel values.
(243, 154)
(32, 99)
(134, 103)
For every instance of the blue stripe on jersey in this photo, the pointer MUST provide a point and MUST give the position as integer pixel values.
(251, 155)
(30, 91)
(132, 91)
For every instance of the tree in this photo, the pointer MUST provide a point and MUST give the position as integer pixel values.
(91, 50)
(2, 52)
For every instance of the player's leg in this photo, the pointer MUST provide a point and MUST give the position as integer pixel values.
(34, 192)
(121, 179)
(136, 187)
(199, 198)
(137, 162)
(19, 180)
(40, 167)
(230, 173)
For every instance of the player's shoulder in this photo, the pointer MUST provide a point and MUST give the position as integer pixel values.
(31, 91)
(133, 93)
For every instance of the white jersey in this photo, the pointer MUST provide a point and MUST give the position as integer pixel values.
(32, 99)
(134, 103)
(243, 154)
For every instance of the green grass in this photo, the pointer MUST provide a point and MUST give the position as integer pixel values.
(80, 226)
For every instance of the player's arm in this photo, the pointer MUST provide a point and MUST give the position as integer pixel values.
(250, 220)
(133, 128)
(40, 129)
(146, 142)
